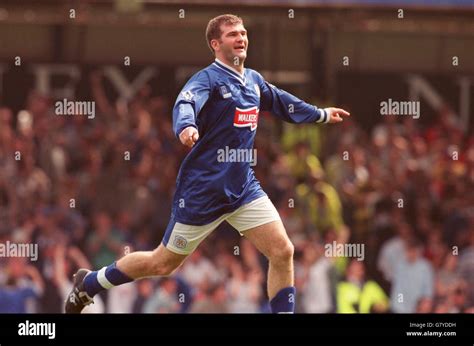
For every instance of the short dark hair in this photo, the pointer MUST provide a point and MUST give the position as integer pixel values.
(414, 243)
(213, 30)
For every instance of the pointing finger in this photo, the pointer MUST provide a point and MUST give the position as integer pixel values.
(341, 111)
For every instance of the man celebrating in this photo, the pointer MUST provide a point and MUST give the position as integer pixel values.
(218, 109)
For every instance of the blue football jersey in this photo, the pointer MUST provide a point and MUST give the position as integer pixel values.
(224, 106)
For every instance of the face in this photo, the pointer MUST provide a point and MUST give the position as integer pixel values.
(412, 254)
(356, 270)
(103, 222)
(17, 267)
(233, 44)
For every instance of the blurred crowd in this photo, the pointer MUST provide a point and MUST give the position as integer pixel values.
(88, 191)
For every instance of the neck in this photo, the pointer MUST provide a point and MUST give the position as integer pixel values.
(239, 68)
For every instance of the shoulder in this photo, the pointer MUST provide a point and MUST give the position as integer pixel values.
(345, 285)
(393, 244)
(254, 74)
(210, 74)
(26, 292)
(199, 81)
(258, 78)
(425, 265)
(202, 74)
(401, 265)
(372, 285)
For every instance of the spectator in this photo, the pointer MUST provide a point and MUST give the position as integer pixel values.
(144, 292)
(317, 289)
(243, 289)
(466, 268)
(356, 294)
(390, 252)
(104, 243)
(23, 285)
(165, 299)
(66, 261)
(413, 279)
(214, 300)
(199, 271)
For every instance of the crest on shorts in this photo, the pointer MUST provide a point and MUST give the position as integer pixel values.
(180, 242)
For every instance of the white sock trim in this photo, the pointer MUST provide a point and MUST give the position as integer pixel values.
(103, 280)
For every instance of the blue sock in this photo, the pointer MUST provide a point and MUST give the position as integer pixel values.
(284, 301)
(104, 279)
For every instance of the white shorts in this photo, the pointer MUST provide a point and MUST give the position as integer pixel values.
(184, 239)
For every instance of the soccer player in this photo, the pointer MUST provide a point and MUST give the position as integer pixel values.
(218, 110)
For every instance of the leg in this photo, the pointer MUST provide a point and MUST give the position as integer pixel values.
(160, 262)
(179, 241)
(260, 223)
(273, 242)
(134, 266)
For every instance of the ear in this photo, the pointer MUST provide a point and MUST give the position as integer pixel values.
(215, 44)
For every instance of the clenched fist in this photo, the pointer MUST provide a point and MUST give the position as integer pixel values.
(189, 136)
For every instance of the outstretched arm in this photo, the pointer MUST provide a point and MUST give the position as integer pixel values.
(291, 109)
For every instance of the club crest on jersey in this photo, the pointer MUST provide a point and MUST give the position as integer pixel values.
(188, 95)
(225, 93)
(247, 117)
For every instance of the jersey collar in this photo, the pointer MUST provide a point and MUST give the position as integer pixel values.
(230, 70)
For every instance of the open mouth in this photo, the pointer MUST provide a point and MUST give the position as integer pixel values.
(241, 48)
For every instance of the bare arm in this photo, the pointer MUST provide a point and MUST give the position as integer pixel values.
(78, 257)
(99, 94)
(35, 276)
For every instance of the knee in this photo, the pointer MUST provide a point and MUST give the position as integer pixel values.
(282, 253)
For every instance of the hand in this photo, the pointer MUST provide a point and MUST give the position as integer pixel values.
(189, 136)
(95, 77)
(334, 114)
(31, 271)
